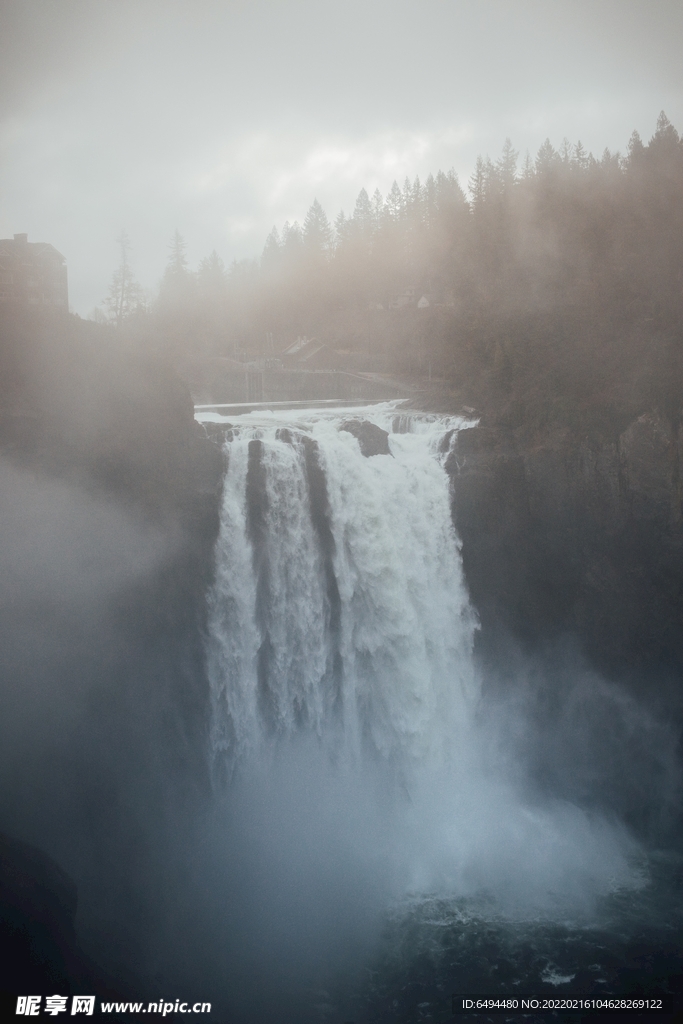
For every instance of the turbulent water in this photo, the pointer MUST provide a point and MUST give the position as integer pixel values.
(339, 605)
(344, 688)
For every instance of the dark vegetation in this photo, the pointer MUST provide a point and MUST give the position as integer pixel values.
(555, 292)
(108, 515)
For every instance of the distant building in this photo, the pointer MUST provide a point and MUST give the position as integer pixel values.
(423, 302)
(32, 274)
(310, 354)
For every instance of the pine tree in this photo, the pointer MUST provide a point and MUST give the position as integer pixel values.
(546, 158)
(378, 209)
(407, 195)
(176, 294)
(176, 279)
(477, 185)
(177, 261)
(342, 232)
(394, 203)
(581, 158)
(272, 251)
(636, 149)
(362, 214)
(666, 133)
(125, 294)
(610, 160)
(449, 194)
(506, 166)
(493, 186)
(317, 233)
(211, 276)
(429, 202)
(417, 199)
(292, 241)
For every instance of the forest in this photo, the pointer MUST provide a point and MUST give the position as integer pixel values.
(547, 291)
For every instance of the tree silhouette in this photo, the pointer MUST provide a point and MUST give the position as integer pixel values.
(125, 294)
(317, 233)
(477, 185)
(211, 274)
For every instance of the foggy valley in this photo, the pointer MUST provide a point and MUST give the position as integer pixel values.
(341, 511)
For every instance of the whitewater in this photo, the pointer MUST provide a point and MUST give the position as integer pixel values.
(342, 673)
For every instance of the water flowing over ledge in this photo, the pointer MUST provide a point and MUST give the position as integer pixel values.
(339, 604)
(341, 666)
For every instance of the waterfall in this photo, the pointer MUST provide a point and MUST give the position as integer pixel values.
(339, 605)
(340, 655)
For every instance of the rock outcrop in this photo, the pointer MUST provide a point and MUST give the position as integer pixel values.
(564, 533)
(37, 909)
(105, 702)
(371, 438)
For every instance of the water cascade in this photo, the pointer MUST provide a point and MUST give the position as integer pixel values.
(340, 624)
(339, 604)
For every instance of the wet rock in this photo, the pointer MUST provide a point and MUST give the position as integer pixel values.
(650, 456)
(371, 438)
(580, 535)
(37, 908)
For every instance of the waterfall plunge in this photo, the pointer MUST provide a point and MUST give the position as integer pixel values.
(339, 605)
(340, 660)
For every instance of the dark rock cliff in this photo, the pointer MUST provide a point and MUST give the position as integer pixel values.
(109, 495)
(579, 534)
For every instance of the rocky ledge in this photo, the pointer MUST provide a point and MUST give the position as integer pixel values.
(576, 534)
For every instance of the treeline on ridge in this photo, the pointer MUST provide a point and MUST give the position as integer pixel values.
(554, 289)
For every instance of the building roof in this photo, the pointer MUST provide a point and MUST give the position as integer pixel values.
(19, 245)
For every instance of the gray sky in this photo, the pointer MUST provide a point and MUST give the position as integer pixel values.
(225, 118)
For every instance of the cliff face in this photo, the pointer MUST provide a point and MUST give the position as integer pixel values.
(109, 501)
(576, 534)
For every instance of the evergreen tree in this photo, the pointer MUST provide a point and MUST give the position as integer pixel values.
(211, 276)
(416, 198)
(506, 166)
(546, 158)
(408, 198)
(666, 135)
(292, 242)
(477, 185)
(610, 160)
(177, 285)
(342, 231)
(377, 209)
(394, 203)
(636, 149)
(581, 157)
(429, 204)
(317, 233)
(177, 261)
(362, 214)
(272, 252)
(125, 294)
(449, 195)
(493, 185)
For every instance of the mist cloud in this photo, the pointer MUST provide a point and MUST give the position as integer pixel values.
(223, 120)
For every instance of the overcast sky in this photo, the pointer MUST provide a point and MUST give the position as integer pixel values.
(225, 118)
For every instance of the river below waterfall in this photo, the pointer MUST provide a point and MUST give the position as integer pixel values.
(388, 844)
